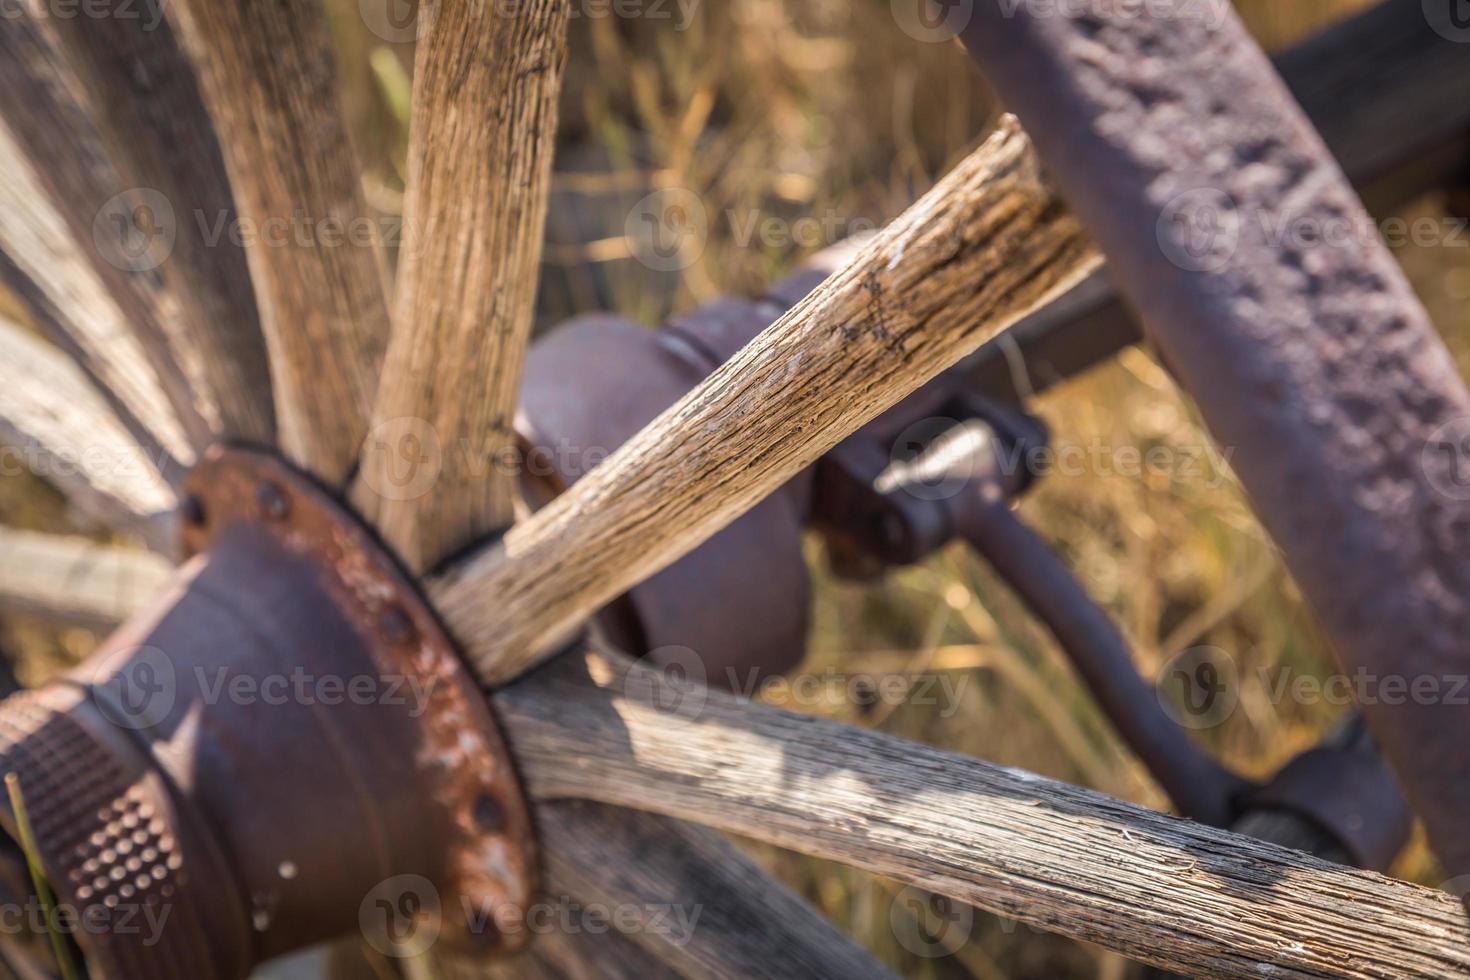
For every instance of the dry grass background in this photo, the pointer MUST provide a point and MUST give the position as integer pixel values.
(825, 108)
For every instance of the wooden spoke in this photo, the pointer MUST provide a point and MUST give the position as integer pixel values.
(987, 245)
(268, 78)
(561, 955)
(479, 169)
(64, 432)
(40, 262)
(688, 904)
(120, 228)
(148, 109)
(76, 580)
(1170, 892)
(727, 913)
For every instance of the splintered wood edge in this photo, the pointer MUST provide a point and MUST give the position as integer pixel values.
(1166, 891)
(66, 434)
(479, 174)
(987, 245)
(267, 75)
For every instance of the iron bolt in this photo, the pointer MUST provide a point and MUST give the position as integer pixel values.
(489, 814)
(273, 501)
(396, 625)
(191, 510)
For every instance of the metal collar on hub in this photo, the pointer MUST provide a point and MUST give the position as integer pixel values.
(285, 748)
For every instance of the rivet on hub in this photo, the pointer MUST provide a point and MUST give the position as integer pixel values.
(274, 504)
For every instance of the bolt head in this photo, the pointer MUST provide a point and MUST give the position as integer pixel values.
(191, 510)
(489, 814)
(274, 503)
(396, 625)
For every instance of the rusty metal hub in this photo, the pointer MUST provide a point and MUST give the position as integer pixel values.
(286, 748)
(739, 602)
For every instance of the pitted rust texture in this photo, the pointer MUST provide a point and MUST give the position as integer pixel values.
(283, 749)
(489, 861)
(118, 849)
(1313, 361)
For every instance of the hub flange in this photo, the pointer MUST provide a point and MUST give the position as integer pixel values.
(285, 748)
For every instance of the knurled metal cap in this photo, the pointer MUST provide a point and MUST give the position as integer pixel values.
(136, 886)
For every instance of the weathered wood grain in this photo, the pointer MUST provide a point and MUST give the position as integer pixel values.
(56, 425)
(1177, 894)
(481, 143)
(51, 121)
(42, 264)
(76, 581)
(985, 246)
(728, 918)
(268, 78)
(148, 111)
(562, 955)
(633, 895)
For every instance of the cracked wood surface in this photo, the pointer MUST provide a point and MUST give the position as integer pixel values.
(269, 81)
(727, 915)
(66, 434)
(42, 264)
(434, 471)
(1269, 292)
(987, 245)
(50, 113)
(1170, 892)
(148, 109)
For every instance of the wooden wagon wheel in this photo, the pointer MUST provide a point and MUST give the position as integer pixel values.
(191, 350)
